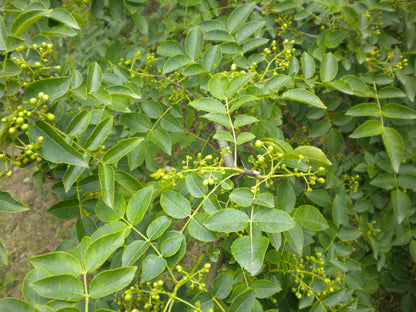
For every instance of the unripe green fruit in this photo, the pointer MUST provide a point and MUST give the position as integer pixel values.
(9, 173)
(260, 159)
(128, 297)
(51, 117)
(40, 95)
(33, 101)
(258, 144)
(45, 98)
(20, 120)
(12, 130)
(37, 64)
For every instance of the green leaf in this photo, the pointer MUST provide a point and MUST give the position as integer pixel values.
(303, 96)
(101, 249)
(195, 186)
(194, 42)
(162, 140)
(334, 38)
(79, 123)
(9, 69)
(242, 197)
(221, 286)
(107, 183)
(30, 295)
(223, 136)
(158, 227)
(272, 221)
(111, 281)
(128, 181)
(54, 147)
(242, 120)
(248, 29)
(209, 105)
(61, 287)
(218, 35)
(219, 118)
(308, 65)
(134, 251)
(236, 83)
(319, 129)
(319, 197)
(249, 251)
(3, 254)
(227, 220)
(313, 154)
(171, 243)
(197, 230)
(365, 109)
(95, 77)
(24, 20)
(294, 238)
(63, 16)
(384, 181)
(72, 174)
(137, 156)
(66, 209)
(244, 302)
(152, 267)
(265, 200)
(14, 305)
(175, 62)
(412, 249)
(3, 35)
(335, 142)
(57, 263)
(139, 204)
(175, 205)
(121, 149)
(193, 70)
(170, 48)
(9, 204)
(329, 67)
(286, 197)
(244, 137)
(99, 134)
(123, 92)
(401, 205)
(239, 15)
(216, 86)
(265, 288)
(311, 218)
(212, 58)
(252, 44)
(393, 110)
(136, 121)
(394, 146)
(107, 214)
(368, 128)
(285, 5)
(390, 92)
(53, 87)
(276, 83)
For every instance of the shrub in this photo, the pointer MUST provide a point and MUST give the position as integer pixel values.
(216, 155)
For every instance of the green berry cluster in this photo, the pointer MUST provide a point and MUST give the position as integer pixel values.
(311, 278)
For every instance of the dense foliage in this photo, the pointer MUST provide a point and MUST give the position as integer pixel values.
(216, 155)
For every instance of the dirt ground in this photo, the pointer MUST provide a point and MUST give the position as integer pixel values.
(29, 233)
